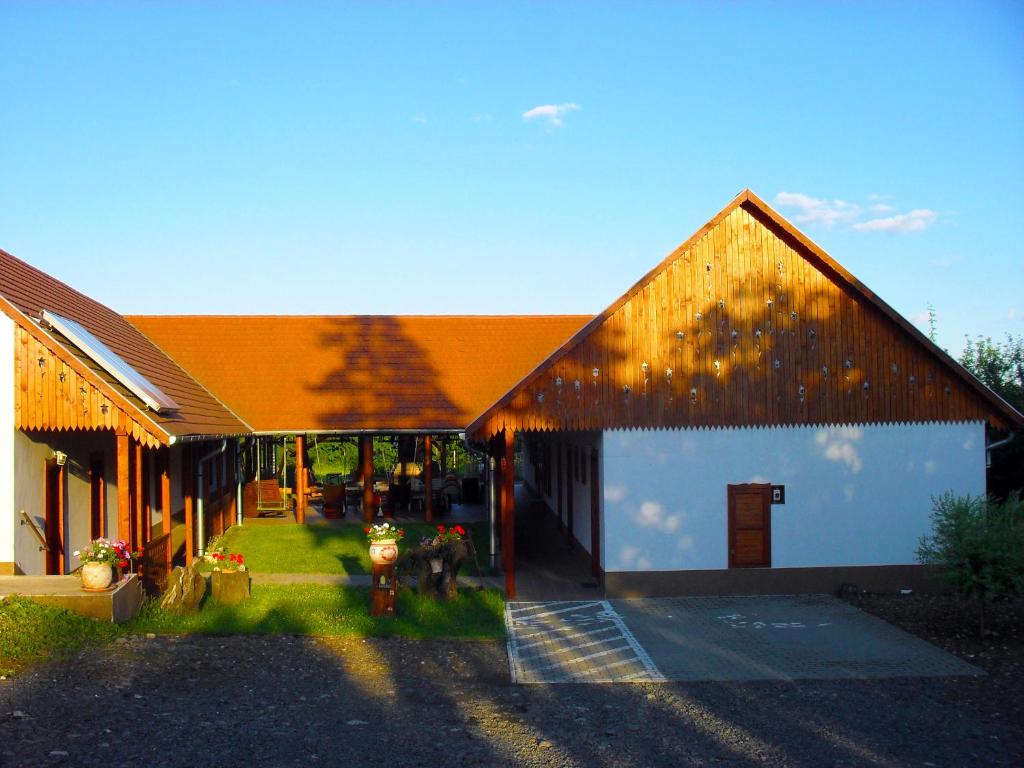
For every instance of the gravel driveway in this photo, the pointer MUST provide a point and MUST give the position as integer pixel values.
(282, 701)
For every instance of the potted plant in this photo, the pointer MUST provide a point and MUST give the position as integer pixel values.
(230, 577)
(99, 559)
(437, 560)
(384, 540)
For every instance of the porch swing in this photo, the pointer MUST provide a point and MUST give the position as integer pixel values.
(270, 502)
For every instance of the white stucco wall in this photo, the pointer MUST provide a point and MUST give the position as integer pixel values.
(8, 513)
(854, 495)
(566, 441)
(31, 451)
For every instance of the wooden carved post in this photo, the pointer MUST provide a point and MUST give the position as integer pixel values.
(508, 513)
(382, 593)
(165, 502)
(428, 480)
(124, 505)
(136, 539)
(188, 495)
(300, 478)
(366, 472)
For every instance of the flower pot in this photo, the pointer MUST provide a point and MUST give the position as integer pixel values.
(96, 577)
(436, 565)
(383, 552)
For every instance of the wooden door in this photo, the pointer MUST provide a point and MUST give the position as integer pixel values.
(750, 526)
(97, 497)
(595, 516)
(53, 500)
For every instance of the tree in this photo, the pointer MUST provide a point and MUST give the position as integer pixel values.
(978, 543)
(1000, 367)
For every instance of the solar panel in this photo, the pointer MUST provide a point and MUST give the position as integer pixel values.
(110, 361)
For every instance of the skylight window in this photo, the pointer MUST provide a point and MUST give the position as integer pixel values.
(110, 362)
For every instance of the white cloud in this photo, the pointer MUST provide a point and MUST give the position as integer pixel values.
(915, 221)
(421, 119)
(814, 210)
(881, 208)
(553, 113)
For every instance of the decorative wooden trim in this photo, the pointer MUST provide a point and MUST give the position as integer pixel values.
(62, 393)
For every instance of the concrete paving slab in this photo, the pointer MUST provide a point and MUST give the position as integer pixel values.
(777, 638)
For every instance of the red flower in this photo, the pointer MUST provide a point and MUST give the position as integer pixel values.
(460, 530)
(238, 559)
(366, 530)
(440, 529)
(123, 564)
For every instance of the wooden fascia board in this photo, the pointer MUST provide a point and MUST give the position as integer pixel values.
(162, 436)
(746, 196)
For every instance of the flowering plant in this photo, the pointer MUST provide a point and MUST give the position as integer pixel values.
(454, 533)
(107, 552)
(384, 531)
(226, 561)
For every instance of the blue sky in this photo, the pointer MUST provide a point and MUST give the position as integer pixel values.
(499, 158)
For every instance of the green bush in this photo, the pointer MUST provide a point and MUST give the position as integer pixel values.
(979, 545)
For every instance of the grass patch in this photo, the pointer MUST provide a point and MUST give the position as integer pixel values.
(339, 549)
(318, 609)
(31, 632)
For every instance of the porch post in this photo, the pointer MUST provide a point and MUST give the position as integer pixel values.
(366, 471)
(187, 493)
(508, 513)
(124, 505)
(300, 478)
(428, 480)
(165, 500)
(138, 537)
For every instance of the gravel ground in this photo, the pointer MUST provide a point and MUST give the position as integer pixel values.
(282, 701)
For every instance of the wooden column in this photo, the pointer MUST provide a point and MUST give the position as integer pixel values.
(188, 496)
(508, 514)
(124, 505)
(366, 472)
(300, 478)
(137, 534)
(165, 501)
(428, 480)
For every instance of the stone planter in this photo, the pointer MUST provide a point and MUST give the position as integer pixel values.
(436, 564)
(230, 587)
(97, 577)
(383, 552)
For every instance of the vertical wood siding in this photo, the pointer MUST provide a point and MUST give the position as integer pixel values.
(745, 326)
(50, 394)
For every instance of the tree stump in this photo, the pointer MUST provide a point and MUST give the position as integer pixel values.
(230, 587)
(439, 584)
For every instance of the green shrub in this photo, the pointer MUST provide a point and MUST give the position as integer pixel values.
(979, 545)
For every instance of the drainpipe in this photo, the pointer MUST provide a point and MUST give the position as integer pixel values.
(239, 489)
(200, 502)
(998, 444)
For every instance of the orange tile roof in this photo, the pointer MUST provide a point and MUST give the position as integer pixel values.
(309, 373)
(29, 290)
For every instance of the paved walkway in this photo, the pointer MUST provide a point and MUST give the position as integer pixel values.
(714, 638)
(573, 642)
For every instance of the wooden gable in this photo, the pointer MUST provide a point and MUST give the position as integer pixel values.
(747, 323)
(53, 390)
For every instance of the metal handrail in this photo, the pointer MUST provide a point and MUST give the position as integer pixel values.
(43, 546)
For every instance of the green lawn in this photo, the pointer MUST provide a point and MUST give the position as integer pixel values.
(339, 549)
(318, 609)
(31, 632)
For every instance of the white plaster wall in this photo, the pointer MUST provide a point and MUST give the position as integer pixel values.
(585, 442)
(8, 513)
(31, 451)
(854, 495)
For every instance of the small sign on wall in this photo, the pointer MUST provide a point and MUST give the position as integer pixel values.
(778, 494)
